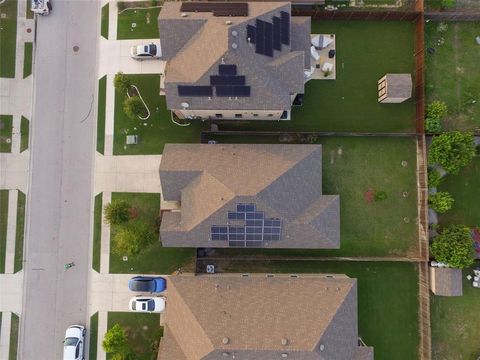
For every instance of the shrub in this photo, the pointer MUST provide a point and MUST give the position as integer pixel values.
(121, 82)
(434, 178)
(133, 107)
(433, 126)
(115, 342)
(447, 4)
(452, 150)
(132, 239)
(441, 201)
(454, 247)
(380, 195)
(436, 110)
(117, 212)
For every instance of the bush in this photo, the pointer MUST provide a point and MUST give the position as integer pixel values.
(434, 178)
(380, 195)
(447, 4)
(117, 212)
(121, 82)
(454, 247)
(115, 342)
(477, 149)
(433, 126)
(436, 110)
(132, 239)
(133, 107)
(452, 150)
(441, 201)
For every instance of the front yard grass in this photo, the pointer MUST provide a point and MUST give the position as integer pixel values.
(387, 299)
(456, 323)
(452, 72)
(3, 227)
(155, 132)
(27, 60)
(366, 51)
(464, 188)
(8, 38)
(20, 232)
(6, 122)
(143, 332)
(156, 259)
(24, 133)
(145, 20)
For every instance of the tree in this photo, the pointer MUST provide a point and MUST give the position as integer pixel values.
(447, 4)
(133, 107)
(441, 201)
(433, 126)
(452, 150)
(121, 82)
(436, 111)
(132, 239)
(454, 247)
(117, 212)
(115, 342)
(434, 178)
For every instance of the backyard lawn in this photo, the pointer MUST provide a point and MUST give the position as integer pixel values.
(138, 23)
(456, 324)
(8, 38)
(156, 259)
(464, 188)
(387, 300)
(155, 132)
(452, 72)
(6, 122)
(366, 50)
(143, 332)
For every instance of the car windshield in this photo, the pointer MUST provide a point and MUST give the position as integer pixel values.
(71, 341)
(153, 49)
(151, 305)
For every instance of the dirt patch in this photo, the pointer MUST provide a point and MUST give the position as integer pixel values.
(369, 196)
(133, 212)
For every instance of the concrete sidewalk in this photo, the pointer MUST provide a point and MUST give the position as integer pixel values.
(11, 294)
(14, 171)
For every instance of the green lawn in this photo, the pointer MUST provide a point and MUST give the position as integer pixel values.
(456, 324)
(452, 72)
(102, 96)
(6, 122)
(27, 61)
(387, 300)
(8, 38)
(104, 24)
(24, 133)
(464, 188)
(366, 228)
(12, 351)
(92, 348)
(143, 332)
(366, 50)
(3, 227)
(29, 13)
(145, 20)
(157, 259)
(97, 232)
(20, 232)
(157, 130)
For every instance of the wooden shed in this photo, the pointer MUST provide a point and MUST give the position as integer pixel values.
(394, 88)
(446, 281)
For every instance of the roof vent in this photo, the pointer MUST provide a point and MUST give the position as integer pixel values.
(225, 340)
(284, 341)
(234, 45)
(322, 347)
(228, 22)
(183, 14)
(284, 355)
(234, 33)
(185, 105)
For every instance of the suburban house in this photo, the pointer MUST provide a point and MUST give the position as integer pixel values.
(247, 195)
(262, 317)
(233, 60)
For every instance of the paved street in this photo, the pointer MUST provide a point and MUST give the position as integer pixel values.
(59, 199)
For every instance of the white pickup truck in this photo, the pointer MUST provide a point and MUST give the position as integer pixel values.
(41, 7)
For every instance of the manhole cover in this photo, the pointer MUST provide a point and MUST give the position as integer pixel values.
(76, 48)
(29, 30)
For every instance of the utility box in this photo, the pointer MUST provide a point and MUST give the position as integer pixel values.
(132, 139)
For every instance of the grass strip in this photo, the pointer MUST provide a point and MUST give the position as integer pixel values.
(20, 232)
(3, 227)
(92, 348)
(97, 232)
(6, 122)
(102, 97)
(12, 352)
(24, 133)
(27, 60)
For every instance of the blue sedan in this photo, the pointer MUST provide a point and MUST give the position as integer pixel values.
(147, 284)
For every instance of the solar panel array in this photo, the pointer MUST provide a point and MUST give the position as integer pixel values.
(252, 229)
(270, 36)
(227, 84)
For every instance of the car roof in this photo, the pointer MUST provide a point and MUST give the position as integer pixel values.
(69, 352)
(140, 283)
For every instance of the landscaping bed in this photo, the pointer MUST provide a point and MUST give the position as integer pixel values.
(8, 38)
(143, 332)
(155, 132)
(456, 323)
(156, 259)
(143, 15)
(452, 72)
(387, 299)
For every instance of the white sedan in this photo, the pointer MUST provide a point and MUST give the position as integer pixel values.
(73, 346)
(147, 304)
(145, 52)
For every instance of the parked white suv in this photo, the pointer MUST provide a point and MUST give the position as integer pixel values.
(73, 346)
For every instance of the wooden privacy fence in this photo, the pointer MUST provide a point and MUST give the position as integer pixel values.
(453, 16)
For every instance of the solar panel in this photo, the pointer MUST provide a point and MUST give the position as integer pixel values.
(268, 50)
(277, 35)
(187, 90)
(285, 17)
(260, 37)
(227, 80)
(241, 91)
(251, 31)
(224, 69)
(224, 91)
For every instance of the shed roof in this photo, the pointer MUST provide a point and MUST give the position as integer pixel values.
(446, 281)
(399, 85)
